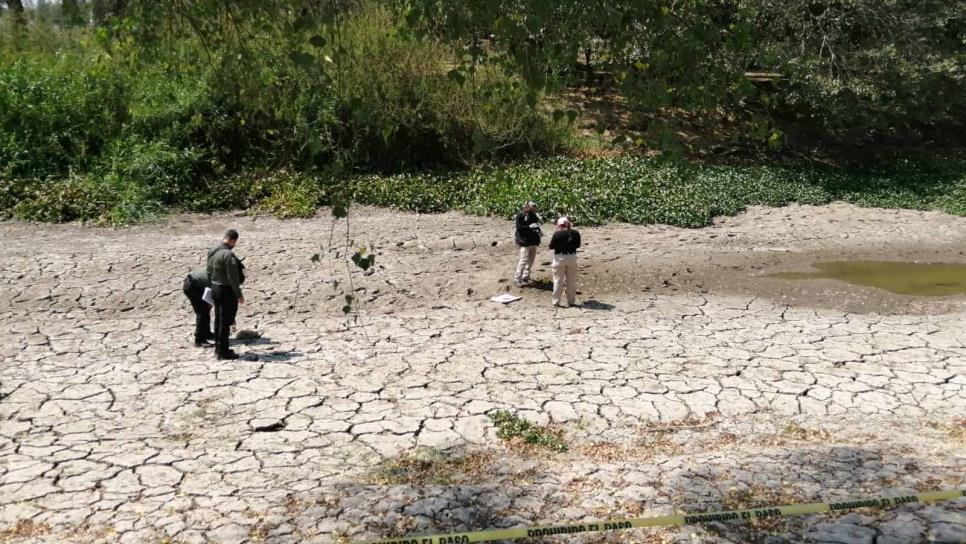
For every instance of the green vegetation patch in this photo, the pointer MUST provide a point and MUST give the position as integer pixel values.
(93, 129)
(627, 189)
(514, 429)
(111, 115)
(644, 190)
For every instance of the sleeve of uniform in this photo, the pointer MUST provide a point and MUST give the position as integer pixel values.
(208, 269)
(521, 222)
(553, 241)
(231, 270)
(576, 239)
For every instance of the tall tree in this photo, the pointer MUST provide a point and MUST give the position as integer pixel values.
(15, 6)
(105, 9)
(100, 11)
(71, 13)
(16, 10)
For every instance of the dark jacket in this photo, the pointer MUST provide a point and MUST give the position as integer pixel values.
(224, 269)
(526, 235)
(565, 241)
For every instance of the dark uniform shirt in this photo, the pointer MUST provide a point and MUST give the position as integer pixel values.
(224, 269)
(565, 242)
(525, 234)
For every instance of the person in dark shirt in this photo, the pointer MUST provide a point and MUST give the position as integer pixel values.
(564, 243)
(225, 273)
(194, 288)
(527, 239)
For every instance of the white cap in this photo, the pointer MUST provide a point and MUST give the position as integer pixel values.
(563, 221)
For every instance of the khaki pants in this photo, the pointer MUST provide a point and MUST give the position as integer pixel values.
(565, 276)
(528, 254)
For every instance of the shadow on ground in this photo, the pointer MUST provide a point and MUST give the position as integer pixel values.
(276, 356)
(419, 493)
(397, 498)
(823, 474)
(594, 304)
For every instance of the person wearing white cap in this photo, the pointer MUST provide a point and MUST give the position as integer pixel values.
(528, 239)
(564, 243)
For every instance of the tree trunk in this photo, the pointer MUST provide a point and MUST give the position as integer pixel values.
(16, 12)
(71, 13)
(15, 7)
(100, 11)
(105, 9)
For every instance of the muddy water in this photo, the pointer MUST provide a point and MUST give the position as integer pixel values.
(903, 278)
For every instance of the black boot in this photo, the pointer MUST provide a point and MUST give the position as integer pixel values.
(227, 356)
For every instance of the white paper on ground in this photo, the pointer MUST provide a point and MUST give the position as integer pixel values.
(206, 296)
(505, 298)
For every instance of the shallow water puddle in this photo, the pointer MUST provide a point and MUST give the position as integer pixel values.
(904, 278)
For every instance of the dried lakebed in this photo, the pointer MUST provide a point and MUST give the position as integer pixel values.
(694, 382)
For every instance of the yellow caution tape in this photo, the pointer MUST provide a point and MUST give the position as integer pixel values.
(665, 521)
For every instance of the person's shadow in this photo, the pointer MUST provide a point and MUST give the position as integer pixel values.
(541, 284)
(278, 356)
(259, 341)
(594, 304)
(269, 355)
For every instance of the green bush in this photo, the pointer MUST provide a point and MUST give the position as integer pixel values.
(298, 197)
(864, 71)
(104, 199)
(112, 124)
(398, 106)
(186, 125)
(57, 115)
(168, 173)
(424, 193)
(511, 427)
(644, 190)
(55, 202)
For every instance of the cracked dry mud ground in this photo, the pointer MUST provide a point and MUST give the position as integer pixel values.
(690, 383)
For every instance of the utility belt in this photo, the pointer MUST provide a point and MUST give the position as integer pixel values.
(222, 289)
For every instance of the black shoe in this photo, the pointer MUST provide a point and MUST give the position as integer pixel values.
(204, 344)
(230, 356)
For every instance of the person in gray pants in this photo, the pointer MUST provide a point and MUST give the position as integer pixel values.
(564, 243)
(527, 235)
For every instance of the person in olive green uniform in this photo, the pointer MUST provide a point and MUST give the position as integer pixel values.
(194, 288)
(225, 272)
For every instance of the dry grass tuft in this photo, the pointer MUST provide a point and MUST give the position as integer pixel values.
(297, 504)
(956, 429)
(24, 528)
(664, 440)
(434, 467)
